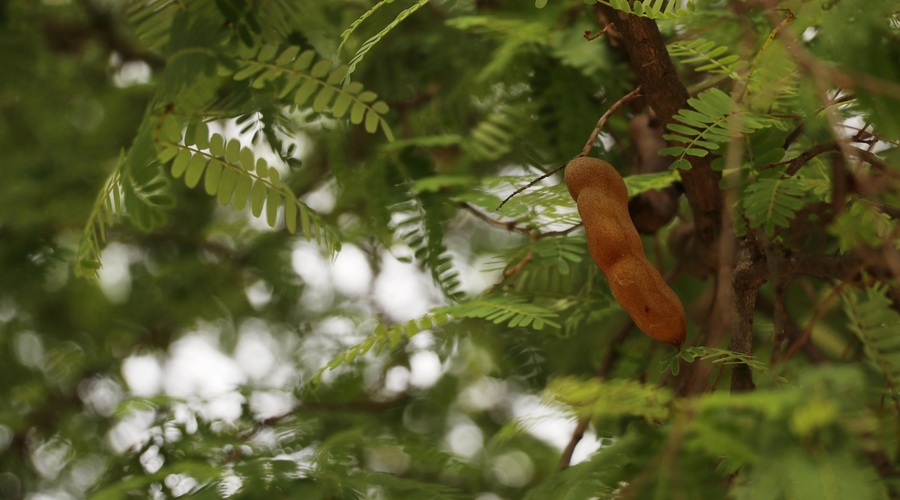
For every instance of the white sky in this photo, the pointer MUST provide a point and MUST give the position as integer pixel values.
(197, 369)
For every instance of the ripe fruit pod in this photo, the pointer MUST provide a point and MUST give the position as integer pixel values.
(616, 248)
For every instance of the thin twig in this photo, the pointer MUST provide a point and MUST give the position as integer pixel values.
(508, 225)
(532, 183)
(587, 147)
(586, 150)
(821, 309)
(562, 232)
(566, 457)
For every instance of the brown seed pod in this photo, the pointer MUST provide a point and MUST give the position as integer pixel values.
(614, 244)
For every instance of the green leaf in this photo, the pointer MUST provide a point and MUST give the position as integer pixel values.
(248, 71)
(267, 53)
(341, 105)
(213, 174)
(170, 129)
(320, 69)
(201, 136)
(372, 120)
(322, 99)
(287, 56)
(242, 187)
(305, 91)
(180, 165)
(305, 59)
(290, 216)
(227, 184)
(272, 202)
(217, 145)
(258, 198)
(305, 223)
(166, 154)
(233, 151)
(262, 168)
(195, 170)
(246, 158)
(357, 112)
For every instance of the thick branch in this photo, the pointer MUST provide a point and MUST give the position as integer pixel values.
(666, 94)
(748, 277)
(750, 274)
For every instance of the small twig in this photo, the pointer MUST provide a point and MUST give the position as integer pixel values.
(603, 119)
(566, 457)
(509, 225)
(797, 163)
(517, 268)
(532, 183)
(803, 158)
(821, 309)
(587, 147)
(561, 232)
(589, 37)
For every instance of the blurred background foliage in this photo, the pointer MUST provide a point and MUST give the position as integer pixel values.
(382, 329)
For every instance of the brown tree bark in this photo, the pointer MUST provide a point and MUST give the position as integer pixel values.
(665, 93)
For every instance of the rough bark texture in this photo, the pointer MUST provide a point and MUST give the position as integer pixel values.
(665, 93)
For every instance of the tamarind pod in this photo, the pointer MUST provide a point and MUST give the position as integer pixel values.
(614, 237)
(644, 295)
(616, 248)
(583, 171)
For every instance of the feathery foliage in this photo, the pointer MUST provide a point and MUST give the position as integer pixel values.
(371, 42)
(876, 325)
(318, 83)
(235, 176)
(712, 58)
(771, 202)
(713, 118)
(423, 232)
(404, 337)
(512, 311)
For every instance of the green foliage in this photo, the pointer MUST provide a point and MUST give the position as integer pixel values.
(875, 324)
(711, 58)
(235, 176)
(318, 83)
(560, 253)
(383, 337)
(711, 354)
(515, 36)
(514, 312)
(640, 183)
(215, 356)
(605, 398)
(653, 9)
(371, 42)
(493, 137)
(423, 232)
(136, 188)
(862, 224)
(813, 415)
(713, 119)
(771, 202)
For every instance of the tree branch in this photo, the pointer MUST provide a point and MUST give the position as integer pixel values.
(666, 94)
(586, 150)
(747, 278)
(566, 458)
